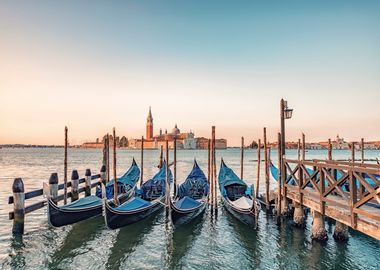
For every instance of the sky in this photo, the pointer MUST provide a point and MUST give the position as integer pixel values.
(94, 65)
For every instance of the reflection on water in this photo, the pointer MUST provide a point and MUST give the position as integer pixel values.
(217, 242)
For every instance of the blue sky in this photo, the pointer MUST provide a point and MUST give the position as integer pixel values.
(197, 63)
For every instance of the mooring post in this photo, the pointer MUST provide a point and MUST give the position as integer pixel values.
(108, 158)
(103, 174)
(298, 214)
(65, 169)
(175, 165)
(353, 151)
(208, 161)
(74, 185)
(161, 156)
(214, 170)
(167, 186)
(142, 161)
(279, 189)
(340, 231)
(87, 190)
(18, 206)
(242, 158)
(267, 162)
(267, 187)
(318, 231)
(329, 150)
(303, 146)
(53, 186)
(114, 169)
(362, 149)
(258, 168)
(299, 149)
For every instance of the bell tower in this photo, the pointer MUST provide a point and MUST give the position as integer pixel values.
(149, 125)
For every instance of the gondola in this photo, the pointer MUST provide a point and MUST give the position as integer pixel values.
(147, 200)
(91, 206)
(191, 196)
(237, 196)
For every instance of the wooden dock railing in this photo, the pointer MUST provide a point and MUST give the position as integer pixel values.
(348, 192)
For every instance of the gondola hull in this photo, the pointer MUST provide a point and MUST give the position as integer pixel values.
(58, 217)
(183, 216)
(116, 219)
(245, 216)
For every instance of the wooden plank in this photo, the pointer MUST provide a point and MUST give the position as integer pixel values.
(29, 208)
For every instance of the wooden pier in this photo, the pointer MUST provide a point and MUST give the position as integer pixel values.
(347, 192)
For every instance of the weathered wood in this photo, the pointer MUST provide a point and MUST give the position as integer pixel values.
(142, 161)
(87, 182)
(74, 185)
(167, 191)
(161, 156)
(353, 151)
(65, 168)
(208, 160)
(214, 169)
(279, 193)
(362, 149)
(18, 206)
(53, 187)
(267, 188)
(303, 146)
(175, 162)
(114, 169)
(242, 158)
(299, 149)
(266, 163)
(258, 168)
(329, 155)
(103, 174)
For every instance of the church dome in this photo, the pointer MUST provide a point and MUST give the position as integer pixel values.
(176, 130)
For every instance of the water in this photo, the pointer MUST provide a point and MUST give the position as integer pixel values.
(204, 244)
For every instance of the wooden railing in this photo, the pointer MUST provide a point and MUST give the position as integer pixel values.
(347, 185)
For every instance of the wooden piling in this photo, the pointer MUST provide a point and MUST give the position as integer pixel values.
(214, 169)
(104, 160)
(65, 169)
(266, 163)
(242, 158)
(208, 161)
(108, 158)
(18, 206)
(279, 198)
(298, 149)
(53, 187)
(103, 174)
(258, 168)
(74, 185)
(175, 162)
(353, 151)
(329, 155)
(161, 156)
(267, 188)
(303, 146)
(362, 149)
(114, 169)
(87, 189)
(167, 187)
(142, 161)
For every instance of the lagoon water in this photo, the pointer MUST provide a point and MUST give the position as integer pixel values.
(223, 243)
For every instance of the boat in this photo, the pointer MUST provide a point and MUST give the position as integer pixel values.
(91, 206)
(237, 197)
(191, 197)
(147, 200)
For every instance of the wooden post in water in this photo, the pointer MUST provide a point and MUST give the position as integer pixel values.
(353, 151)
(87, 182)
(303, 146)
(142, 161)
(267, 188)
(208, 161)
(266, 163)
(298, 149)
(214, 169)
(175, 165)
(161, 156)
(362, 149)
(74, 185)
(103, 174)
(167, 187)
(329, 155)
(242, 158)
(53, 187)
(114, 169)
(65, 169)
(258, 168)
(18, 206)
(108, 158)
(279, 198)
(104, 160)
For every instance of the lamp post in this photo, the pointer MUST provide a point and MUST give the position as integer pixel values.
(286, 113)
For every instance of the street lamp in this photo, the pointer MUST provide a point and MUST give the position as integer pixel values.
(286, 113)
